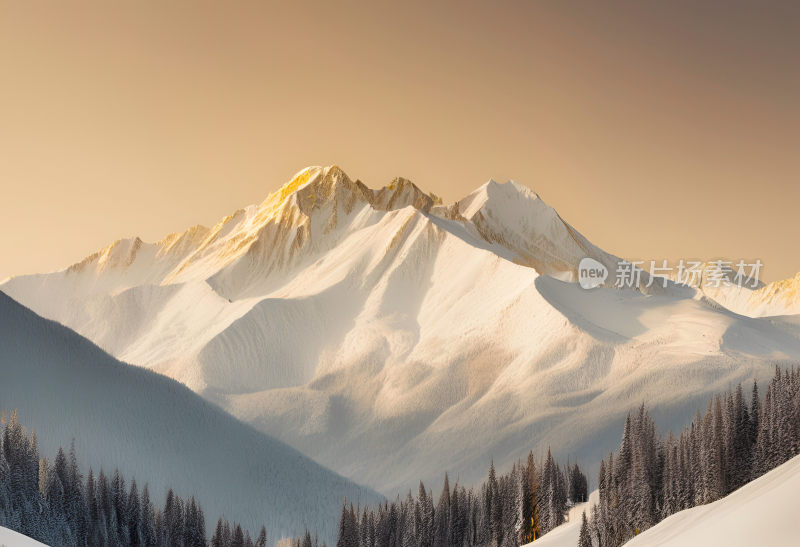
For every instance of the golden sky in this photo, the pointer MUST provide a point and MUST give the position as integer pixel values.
(658, 129)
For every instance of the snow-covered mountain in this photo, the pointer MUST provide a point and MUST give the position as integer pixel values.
(392, 337)
(773, 299)
(762, 512)
(746, 296)
(158, 431)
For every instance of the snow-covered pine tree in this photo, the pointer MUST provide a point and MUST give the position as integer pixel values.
(533, 480)
(525, 506)
(584, 537)
(134, 516)
(441, 532)
(741, 447)
(77, 512)
(495, 505)
(409, 519)
(456, 531)
(425, 518)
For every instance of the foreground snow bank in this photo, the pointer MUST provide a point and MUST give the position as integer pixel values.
(763, 512)
(10, 538)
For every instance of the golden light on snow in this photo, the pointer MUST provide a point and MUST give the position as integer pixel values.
(661, 130)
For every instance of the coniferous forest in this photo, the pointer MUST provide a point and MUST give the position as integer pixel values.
(54, 504)
(738, 438)
(506, 510)
(735, 441)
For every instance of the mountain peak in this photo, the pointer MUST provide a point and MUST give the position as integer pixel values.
(509, 188)
(517, 198)
(400, 193)
(329, 176)
(315, 185)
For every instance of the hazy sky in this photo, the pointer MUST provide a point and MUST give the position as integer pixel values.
(659, 129)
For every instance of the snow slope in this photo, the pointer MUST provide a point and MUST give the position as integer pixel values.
(392, 337)
(568, 533)
(762, 512)
(10, 538)
(158, 431)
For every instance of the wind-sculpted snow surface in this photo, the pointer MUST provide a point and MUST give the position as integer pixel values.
(392, 337)
(158, 431)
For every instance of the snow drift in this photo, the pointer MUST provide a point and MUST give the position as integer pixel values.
(158, 431)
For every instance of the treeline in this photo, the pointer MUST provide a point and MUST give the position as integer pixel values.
(54, 504)
(734, 442)
(507, 510)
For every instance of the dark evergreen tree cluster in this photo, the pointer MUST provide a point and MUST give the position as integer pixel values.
(734, 442)
(54, 504)
(232, 535)
(507, 510)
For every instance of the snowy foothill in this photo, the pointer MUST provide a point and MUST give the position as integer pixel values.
(159, 432)
(762, 512)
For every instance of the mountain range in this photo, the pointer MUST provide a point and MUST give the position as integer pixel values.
(391, 337)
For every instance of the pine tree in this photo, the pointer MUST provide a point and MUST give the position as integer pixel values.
(363, 529)
(77, 511)
(238, 537)
(427, 518)
(457, 522)
(741, 447)
(496, 506)
(409, 528)
(261, 541)
(525, 504)
(134, 517)
(441, 531)
(535, 528)
(584, 537)
(348, 528)
(148, 519)
(118, 507)
(217, 537)
(755, 413)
